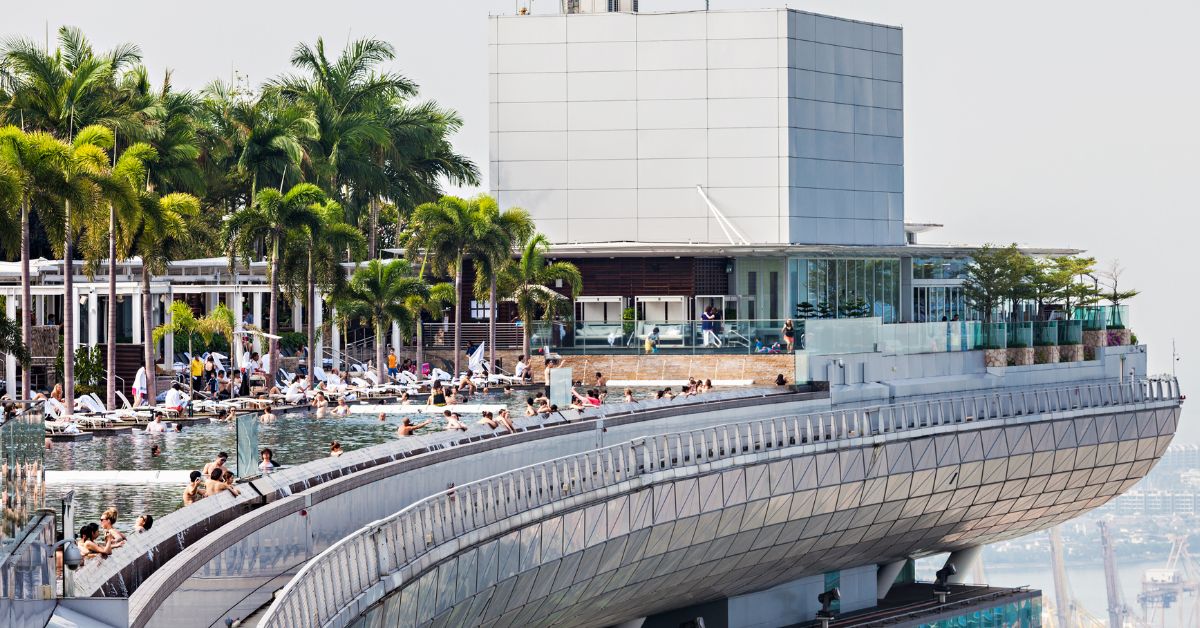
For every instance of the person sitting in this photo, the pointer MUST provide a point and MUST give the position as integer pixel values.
(522, 369)
(437, 396)
(408, 428)
(176, 399)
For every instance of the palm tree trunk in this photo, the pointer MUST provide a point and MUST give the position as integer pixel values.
(148, 336)
(526, 332)
(26, 299)
(420, 350)
(273, 328)
(380, 368)
(373, 234)
(70, 307)
(457, 314)
(310, 315)
(111, 372)
(492, 325)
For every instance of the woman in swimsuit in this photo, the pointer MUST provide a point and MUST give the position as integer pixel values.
(437, 397)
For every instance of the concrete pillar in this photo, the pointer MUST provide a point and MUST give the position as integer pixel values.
(135, 303)
(335, 339)
(257, 313)
(298, 315)
(887, 577)
(168, 338)
(10, 361)
(235, 352)
(906, 290)
(396, 338)
(93, 315)
(318, 318)
(964, 560)
(75, 324)
(39, 309)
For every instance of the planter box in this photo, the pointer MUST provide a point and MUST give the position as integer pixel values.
(1092, 340)
(1070, 353)
(1046, 355)
(993, 358)
(1020, 356)
(1119, 337)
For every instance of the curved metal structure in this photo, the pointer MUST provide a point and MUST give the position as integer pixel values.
(644, 526)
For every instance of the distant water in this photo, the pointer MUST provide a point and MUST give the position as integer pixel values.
(1087, 586)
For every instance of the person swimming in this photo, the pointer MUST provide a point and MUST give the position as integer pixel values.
(437, 396)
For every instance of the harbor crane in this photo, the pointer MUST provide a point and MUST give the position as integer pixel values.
(1068, 613)
(1120, 614)
(1164, 588)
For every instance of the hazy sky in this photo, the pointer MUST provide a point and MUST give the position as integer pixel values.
(1065, 123)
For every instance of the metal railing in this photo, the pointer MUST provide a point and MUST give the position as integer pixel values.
(332, 580)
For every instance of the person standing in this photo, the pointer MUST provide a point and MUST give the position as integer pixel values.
(391, 365)
(789, 335)
(708, 327)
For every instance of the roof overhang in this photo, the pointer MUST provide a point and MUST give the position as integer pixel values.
(693, 249)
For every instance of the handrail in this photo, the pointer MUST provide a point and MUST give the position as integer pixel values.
(359, 561)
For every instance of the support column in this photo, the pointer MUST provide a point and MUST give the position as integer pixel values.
(10, 361)
(169, 338)
(335, 340)
(211, 299)
(39, 309)
(396, 338)
(93, 315)
(964, 561)
(135, 304)
(318, 318)
(75, 326)
(235, 352)
(886, 577)
(257, 313)
(298, 314)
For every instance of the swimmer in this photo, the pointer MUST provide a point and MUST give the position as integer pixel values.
(407, 427)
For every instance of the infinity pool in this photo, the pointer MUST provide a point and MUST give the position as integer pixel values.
(294, 439)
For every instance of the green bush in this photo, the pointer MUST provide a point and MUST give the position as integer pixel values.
(292, 340)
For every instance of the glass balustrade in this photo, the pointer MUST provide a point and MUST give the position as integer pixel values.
(1045, 333)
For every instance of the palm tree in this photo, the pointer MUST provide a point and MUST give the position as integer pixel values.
(441, 296)
(500, 233)
(10, 343)
(379, 292)
(448, 231)
(86, 163)
(313, 258)
(32, 160)
(269, 221)
(164, 232)
(272, 133)
(121, 190)
(527, 278)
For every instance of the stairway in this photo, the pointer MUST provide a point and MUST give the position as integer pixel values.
(129, 360)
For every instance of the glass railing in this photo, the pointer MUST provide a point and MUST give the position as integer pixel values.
(1118, 316)
(726, 336)
(1020, 335)
(1045, 333)
(1094, 317)
(1070, 332)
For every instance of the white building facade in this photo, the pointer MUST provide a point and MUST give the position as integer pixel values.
(603, 125)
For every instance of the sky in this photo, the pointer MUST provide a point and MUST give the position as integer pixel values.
(1069, 123)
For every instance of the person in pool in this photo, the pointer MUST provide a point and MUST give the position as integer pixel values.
(321, 404)
(454, 422)
(437, 396)
(408, 428)
(342, 409)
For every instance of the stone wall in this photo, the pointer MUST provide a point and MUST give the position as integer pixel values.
(762, 368)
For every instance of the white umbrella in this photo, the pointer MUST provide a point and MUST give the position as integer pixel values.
(475, 360)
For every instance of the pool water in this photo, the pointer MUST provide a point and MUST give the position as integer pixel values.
(293, 438)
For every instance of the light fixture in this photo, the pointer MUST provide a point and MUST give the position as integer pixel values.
(83, 299)
(826, 600)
